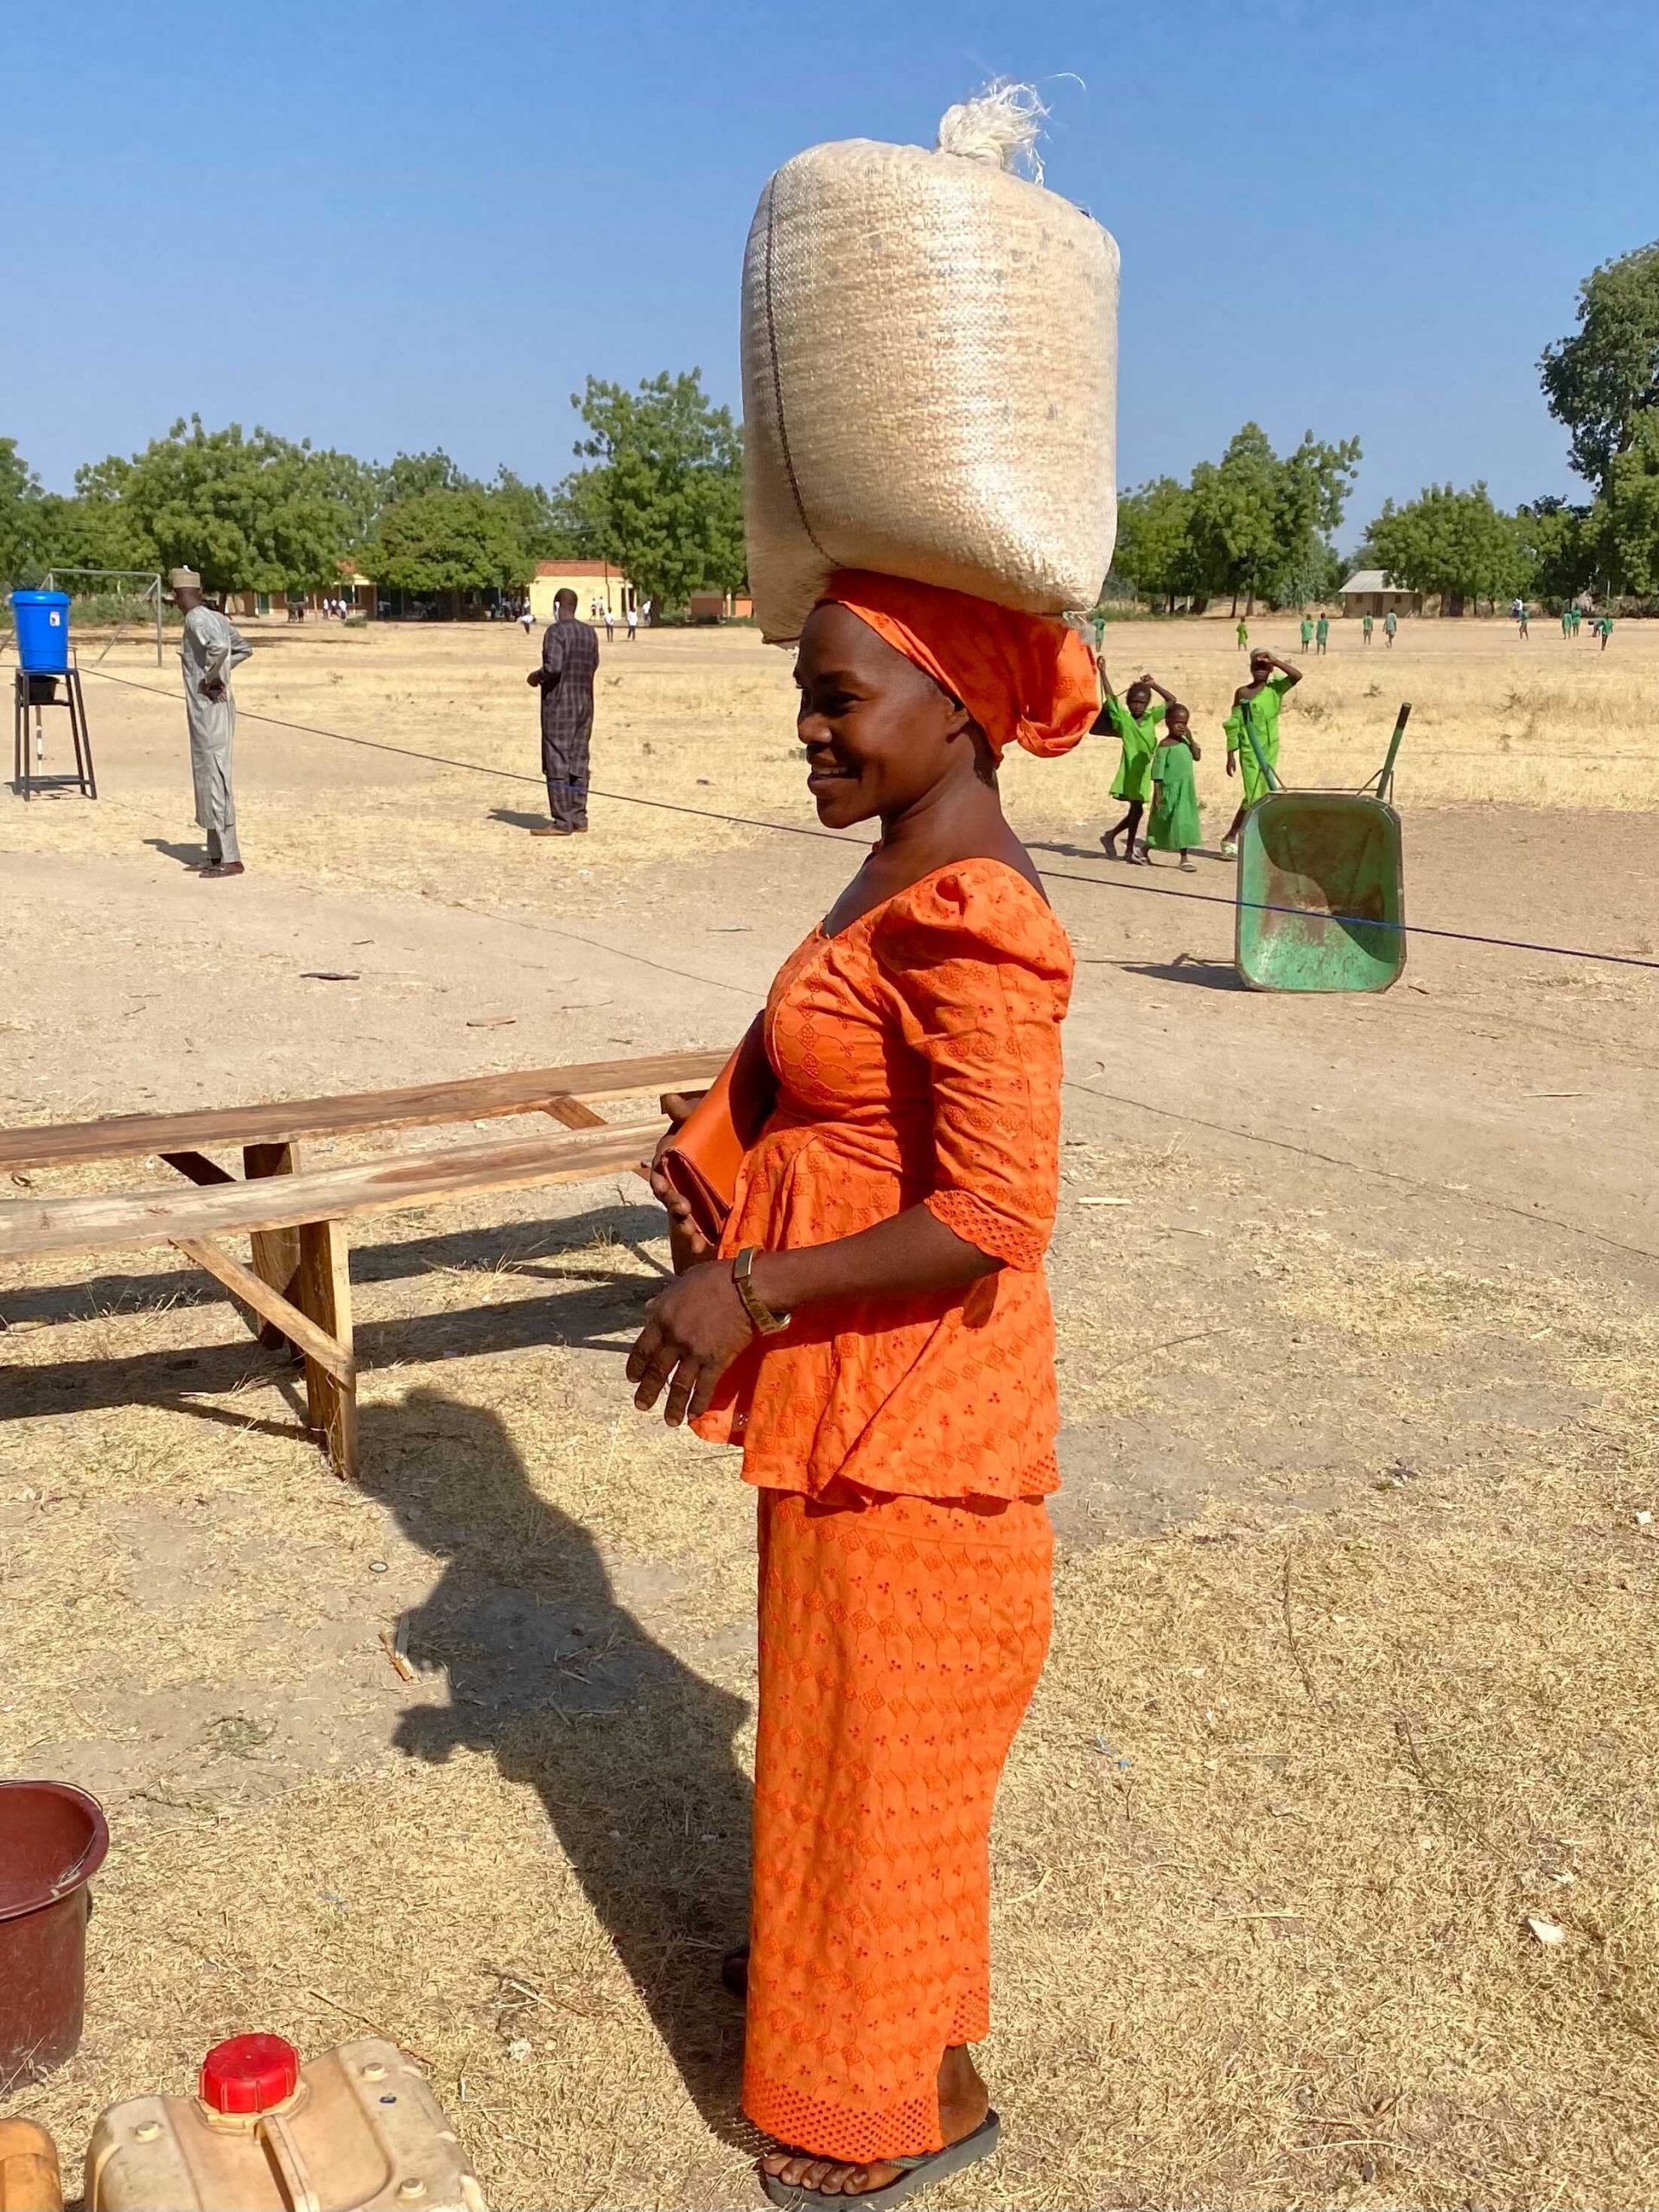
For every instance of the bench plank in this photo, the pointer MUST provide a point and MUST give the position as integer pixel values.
(32, 1226)
(424, 1105)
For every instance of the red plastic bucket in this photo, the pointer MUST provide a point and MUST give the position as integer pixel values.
(53, 1840)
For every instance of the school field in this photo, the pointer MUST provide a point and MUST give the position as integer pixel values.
(1355, 1685)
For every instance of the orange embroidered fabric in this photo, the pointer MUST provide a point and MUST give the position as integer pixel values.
(917, 1056)
(900, 1640)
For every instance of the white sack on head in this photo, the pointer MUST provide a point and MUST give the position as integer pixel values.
(930, 373)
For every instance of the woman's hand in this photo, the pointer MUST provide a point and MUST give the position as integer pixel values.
(1232, 764)
(694, 1331)
(687, 1247)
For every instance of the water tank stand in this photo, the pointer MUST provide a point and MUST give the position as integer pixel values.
(32, 693)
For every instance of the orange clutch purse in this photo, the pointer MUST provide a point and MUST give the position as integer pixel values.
(703, 1158)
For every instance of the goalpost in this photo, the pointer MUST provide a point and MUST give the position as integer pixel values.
(140, 606)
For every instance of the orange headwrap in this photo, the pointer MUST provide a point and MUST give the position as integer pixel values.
(1025, 678)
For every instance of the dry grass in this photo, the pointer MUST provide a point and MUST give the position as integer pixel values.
(1301, 1768)
(705, 720)
(1353, 1671)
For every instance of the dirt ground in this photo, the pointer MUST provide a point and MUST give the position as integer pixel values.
(1353, 1680)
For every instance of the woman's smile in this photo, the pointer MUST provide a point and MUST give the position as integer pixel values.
(823, 768)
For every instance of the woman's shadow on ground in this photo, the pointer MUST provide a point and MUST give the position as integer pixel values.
(630, 1750)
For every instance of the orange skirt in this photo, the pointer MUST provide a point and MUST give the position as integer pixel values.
(900, 1641)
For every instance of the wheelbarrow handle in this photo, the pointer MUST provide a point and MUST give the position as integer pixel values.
(1384, 777)
(1267, 776)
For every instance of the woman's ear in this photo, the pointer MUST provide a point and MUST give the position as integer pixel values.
(958, 717)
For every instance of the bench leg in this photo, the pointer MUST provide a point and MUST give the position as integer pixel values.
(324, 1295)
(275, 1251)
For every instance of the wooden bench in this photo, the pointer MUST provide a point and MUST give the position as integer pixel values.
(299, 1284)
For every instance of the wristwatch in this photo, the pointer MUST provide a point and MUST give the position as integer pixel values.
(754, 1305)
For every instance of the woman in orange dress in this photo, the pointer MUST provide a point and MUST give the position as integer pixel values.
(875, 1331)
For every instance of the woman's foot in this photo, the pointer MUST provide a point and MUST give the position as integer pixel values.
(1108, 844)
(1189, 866)
(735, 1970)
(963, 2103)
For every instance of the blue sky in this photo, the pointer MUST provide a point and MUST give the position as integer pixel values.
(401, 225)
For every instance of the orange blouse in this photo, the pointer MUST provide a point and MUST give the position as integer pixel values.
(918, 1058)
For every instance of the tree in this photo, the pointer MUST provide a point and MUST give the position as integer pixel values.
(1602, 379)
(1451, 542)
(20, 503)
(544, 526)
(663, 496)
(1313, 486)
(250, 513)
(1155, 542)
(1558, 547)
(444, 540)
(1235, 533)
(1624, 526)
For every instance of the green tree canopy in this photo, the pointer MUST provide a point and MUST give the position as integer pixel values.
(1558, 547)
(662, 495)
(20, 516)
(1624, 526)
(1254, 524)
(1451, 542)
(250, 513)
(1154, 540)
(448, 540)
(1599, 381)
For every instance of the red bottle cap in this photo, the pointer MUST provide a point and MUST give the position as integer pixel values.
(249, 2074)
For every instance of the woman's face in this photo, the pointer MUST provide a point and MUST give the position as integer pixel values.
(880, 734)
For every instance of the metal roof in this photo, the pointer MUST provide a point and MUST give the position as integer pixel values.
(1372, 580)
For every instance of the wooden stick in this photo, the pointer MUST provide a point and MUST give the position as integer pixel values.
(34, 1226)
(474, 1098)
(287, 1319)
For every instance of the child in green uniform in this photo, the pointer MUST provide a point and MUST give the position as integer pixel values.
(1174, 827)
(1365, 630)
(1604, 628)
(1322, 634)
(1263, 696)
(1135, 719)
(1390, 624)
(1567, 621)
(1307, 631)
(1244, 637)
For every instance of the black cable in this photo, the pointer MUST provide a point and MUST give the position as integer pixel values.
(799, 830)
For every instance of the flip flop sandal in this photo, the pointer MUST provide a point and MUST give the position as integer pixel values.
(917, 2173)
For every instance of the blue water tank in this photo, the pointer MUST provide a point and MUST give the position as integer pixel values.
(42, 619)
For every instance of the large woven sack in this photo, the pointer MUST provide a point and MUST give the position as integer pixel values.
(929, 376)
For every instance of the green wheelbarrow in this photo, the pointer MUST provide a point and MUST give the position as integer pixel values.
(1321, 900)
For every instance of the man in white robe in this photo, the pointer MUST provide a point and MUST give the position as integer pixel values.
(211, 648)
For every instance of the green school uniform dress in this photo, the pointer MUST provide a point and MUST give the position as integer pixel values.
(1174, 826)
(1264, 720)
(1133, 782)
(1324, 630)
(1307, 633)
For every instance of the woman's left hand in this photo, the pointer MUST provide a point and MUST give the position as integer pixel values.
(694, 1331)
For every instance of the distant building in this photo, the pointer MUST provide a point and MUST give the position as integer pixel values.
(355, 592)
(590, 580)
(1367, 591)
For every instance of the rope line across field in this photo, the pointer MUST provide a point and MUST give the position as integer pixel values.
(799, 829)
